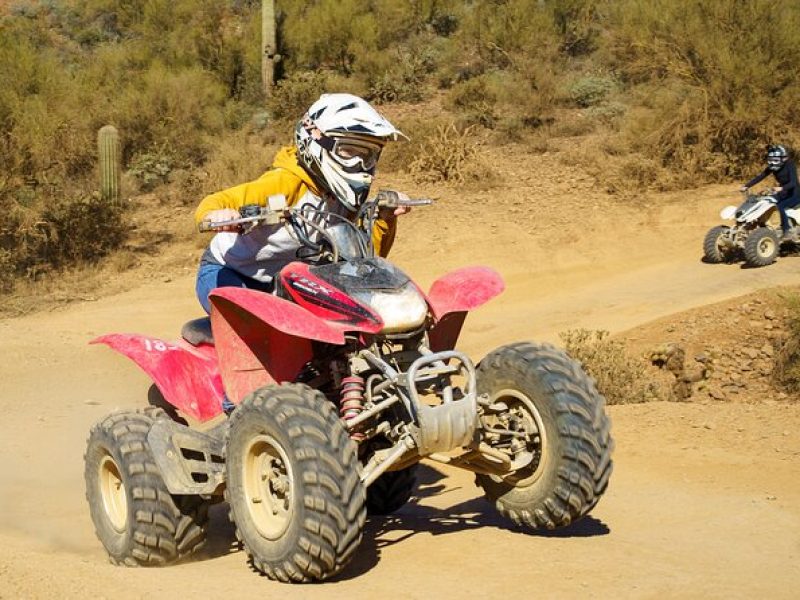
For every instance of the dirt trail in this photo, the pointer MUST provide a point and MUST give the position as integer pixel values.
(703, 501)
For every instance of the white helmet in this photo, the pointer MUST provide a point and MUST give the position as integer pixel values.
(339, 141)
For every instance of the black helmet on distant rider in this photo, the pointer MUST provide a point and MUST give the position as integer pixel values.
(776, 156)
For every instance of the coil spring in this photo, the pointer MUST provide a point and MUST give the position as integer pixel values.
(351, 402)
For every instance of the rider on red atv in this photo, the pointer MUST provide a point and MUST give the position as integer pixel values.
(337, 146)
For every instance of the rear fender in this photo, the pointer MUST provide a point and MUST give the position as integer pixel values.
(262, 339)
(187, 376)
(453, 295)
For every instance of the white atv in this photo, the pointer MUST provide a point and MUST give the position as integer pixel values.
(751, 235)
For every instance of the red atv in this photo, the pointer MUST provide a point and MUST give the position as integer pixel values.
(343, 379)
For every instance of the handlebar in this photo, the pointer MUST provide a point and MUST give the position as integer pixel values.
(253, 214)
(392, 199)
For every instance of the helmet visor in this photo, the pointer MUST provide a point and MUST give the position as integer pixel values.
(356, 155)
(774, 160)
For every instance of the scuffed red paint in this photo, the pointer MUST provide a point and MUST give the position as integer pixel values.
(464, 289)
(187, 376)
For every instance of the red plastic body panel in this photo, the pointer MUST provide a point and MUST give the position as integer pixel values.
(326, 301)
(464, 289)
(455, 294)
(187, 376)
(262, 339)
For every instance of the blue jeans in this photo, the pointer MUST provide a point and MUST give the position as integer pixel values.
(789, 202)
(211, 275)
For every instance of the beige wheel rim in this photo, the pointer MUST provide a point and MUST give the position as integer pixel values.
(268, 486)
(526, 417)
(766, 247)
(112, 491)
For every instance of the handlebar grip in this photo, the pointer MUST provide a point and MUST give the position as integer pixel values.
(392, 199)
(206, 226)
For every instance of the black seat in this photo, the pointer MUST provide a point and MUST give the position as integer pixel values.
(198, 331)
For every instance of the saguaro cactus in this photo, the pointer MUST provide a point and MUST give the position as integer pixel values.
(269, 45)
(108, 152)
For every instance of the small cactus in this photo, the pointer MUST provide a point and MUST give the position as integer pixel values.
(108, 152)
(269, 45)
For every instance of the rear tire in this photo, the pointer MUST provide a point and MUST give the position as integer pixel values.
(550, 396)
(761, 247)
(712, 251)
(391, 491)
(135, 517)
(293, 485)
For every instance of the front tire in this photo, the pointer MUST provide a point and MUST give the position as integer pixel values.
(390, 492)
(135, 517)
(552, 400)
(293, 484)
(713, 251)
(761, 247)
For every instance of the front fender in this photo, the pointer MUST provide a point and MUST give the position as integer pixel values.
(464, 289)
(187, 376)
(759, 211)
(262, 339)
(453, 295)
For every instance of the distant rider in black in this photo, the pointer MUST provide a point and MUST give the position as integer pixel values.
(783, 168)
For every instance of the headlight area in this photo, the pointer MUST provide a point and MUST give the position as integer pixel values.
(400, 310)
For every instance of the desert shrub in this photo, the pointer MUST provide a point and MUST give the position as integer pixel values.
(787, 360)
(448, 155)
(6, 270)
(608, 113)
(66, 230)
(578, 23)
(397, 157)
(719, 76)
(327, 34)
(292, 96)
(402, 79)
(475, 101)
(348, 35)
(237, 157)
(620, 377)
(150, 169)
(84, 229)
(176, 112)
(590, 90)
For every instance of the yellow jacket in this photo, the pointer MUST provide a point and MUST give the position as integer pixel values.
(288, 178)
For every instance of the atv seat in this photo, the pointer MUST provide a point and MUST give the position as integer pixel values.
(198, 331)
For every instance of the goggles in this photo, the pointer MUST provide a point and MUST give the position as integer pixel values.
(356, 155)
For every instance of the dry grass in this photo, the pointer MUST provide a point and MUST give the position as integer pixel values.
(620, 377)
(787, 360)
(450, 155)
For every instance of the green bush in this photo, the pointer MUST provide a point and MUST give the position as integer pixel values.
(150, 169)
(590, 90)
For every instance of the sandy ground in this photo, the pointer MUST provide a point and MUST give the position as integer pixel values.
(704, 500)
